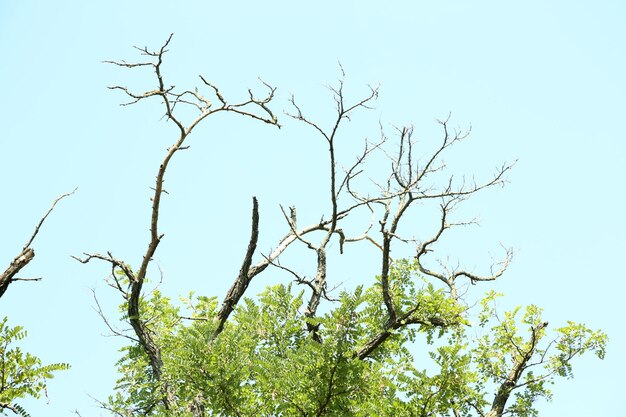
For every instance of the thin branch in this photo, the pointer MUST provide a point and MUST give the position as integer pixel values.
(27, 279)
(494, 275)
(43, 219)
(113, 330)
(27, 253)
(342, 113)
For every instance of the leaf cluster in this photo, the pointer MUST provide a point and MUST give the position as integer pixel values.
(266, 362)
(21, 374)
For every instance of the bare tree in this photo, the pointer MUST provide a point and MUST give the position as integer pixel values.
(407, 184)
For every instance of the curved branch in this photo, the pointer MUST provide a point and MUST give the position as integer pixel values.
(27, 253)
(170, 100)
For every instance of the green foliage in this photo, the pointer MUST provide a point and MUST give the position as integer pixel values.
(266, 363)
(21, 374)
(510, 344)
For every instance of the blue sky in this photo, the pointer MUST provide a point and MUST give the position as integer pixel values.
(541, 82)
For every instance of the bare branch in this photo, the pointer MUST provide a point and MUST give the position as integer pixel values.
(343, 112)
(355, 170)
(43, 219)
(115, 331)
(171, 98)
(299, 279)
(16, 265)
(284, 244)
(27, 253)
(115, 263)
(242, 281)
(27, 279)
(266, 116)
(204, 106)
(503, 265)
(291, 220)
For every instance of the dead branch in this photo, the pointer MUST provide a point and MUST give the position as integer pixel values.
(343, 112)
(356, 168)
(27, 253)
(450, 279)
(242, 281)
(254, 108)
(28, 279)
(294, 234)
(405, 186)
(171, 99)
(115, 331)
(503, 265)
(409, 179)
(20, 261)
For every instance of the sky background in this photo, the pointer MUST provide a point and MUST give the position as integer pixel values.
(541, 82)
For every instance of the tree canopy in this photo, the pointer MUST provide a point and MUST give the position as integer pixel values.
(421, 338)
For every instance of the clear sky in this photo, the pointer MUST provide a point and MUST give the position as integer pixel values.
(539, 81)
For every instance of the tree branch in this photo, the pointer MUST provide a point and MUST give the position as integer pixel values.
(516, 372)
(27, 253)
(242, 281)
(342, 112)
(171, 99)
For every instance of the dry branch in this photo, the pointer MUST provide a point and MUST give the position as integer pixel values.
(242, 281)
(405, 187)
(343, 112)
(253, 107)
(27, 253)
